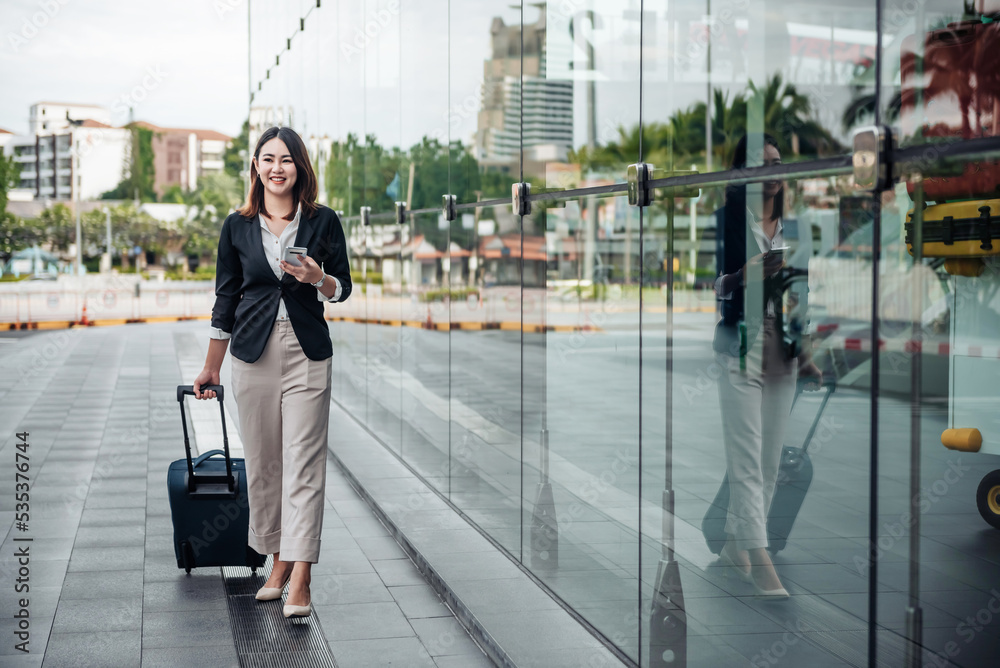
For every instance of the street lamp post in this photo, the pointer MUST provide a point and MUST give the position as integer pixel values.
(107, 219)
(245, 155)
(76, 198)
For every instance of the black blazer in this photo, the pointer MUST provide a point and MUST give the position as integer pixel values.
(732, 251)
(247, 291)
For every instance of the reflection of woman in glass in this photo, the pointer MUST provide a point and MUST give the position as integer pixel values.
(758, 386)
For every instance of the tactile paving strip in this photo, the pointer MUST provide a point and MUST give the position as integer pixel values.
(264, 638)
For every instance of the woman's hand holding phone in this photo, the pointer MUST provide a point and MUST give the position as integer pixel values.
(772, 262)
(307, 271)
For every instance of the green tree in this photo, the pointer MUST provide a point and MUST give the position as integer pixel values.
(787, 114)
(232, 158)
(139, 172)
(173, 195)
(17, 234)
(58, 227)
(10, 176)
(358, 174)
(216, 196)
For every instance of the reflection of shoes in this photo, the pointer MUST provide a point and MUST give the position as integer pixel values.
(297, 610)
(728, 561)
(779, 593)
(272, 593)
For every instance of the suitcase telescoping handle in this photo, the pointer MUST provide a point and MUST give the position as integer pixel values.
(830, 383)
(182, 391)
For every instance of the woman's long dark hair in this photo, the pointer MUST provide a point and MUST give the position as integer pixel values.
(305, 189)
(736, 196)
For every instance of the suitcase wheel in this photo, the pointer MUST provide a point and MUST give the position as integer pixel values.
(988, 498)
(187, 557)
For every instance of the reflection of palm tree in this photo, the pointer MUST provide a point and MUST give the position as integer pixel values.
(862, 106)
(988, 78)
(947, 67)
(787, 116)
(958, 61)
(681, 140)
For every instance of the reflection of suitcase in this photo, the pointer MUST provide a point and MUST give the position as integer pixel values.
(208, 503)
(953, 92)
(794, 477)
(958, 229)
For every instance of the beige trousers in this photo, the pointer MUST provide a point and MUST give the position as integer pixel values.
(756, 399)
(284, 405)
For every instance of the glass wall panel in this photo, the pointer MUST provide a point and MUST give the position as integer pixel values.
(382, 187)
(424, 341)
(615, 394)
(580, 84)
(803, 71)
(345, 191)
(484, 114)
(483, 267)
(425, 381)
(384, 324)
(936, 555)
(743, 401)
(581, 411)
(485, 311)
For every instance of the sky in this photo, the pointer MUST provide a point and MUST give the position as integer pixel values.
(181, 63)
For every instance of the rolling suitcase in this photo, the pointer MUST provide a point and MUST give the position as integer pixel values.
(795, 473)
(208, 503)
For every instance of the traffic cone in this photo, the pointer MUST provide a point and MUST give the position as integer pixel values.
(83, 316)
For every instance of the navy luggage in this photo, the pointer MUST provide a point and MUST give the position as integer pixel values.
(795, 473)
(208, 503)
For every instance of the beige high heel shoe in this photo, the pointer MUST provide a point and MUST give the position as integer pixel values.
(297, 610)
(272, 593)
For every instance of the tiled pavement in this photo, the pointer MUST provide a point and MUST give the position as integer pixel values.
(105, 589)
(103, 425)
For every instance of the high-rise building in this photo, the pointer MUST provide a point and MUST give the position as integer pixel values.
(509, 90)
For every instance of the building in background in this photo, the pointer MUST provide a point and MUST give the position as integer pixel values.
(45, 154)
(547, 103)
(263, 117)
(181, 156)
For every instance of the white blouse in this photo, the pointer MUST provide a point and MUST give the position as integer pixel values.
(765, 245)
(273, 248)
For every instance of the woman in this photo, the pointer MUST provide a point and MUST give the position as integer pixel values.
(758, 384)
(272, 312)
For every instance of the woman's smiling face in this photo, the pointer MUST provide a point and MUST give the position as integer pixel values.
(771, 157)
(276, 167)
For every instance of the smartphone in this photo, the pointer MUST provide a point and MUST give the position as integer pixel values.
(292, 254)
(778, 252)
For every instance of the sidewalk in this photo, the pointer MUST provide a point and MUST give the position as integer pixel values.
(102, 425)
